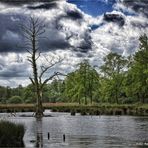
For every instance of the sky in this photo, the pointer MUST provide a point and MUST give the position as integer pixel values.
(75, 30)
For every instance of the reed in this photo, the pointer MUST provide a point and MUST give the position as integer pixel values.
(11, 134)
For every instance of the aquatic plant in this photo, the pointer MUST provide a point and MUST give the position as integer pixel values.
(11, 134)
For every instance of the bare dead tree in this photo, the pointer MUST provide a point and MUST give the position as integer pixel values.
(33, 31)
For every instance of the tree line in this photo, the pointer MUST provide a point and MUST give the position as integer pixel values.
(119, 80)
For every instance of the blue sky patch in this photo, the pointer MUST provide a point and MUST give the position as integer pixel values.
(94, 7)
(94, 26)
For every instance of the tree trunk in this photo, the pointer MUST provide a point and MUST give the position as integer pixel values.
(79, 101)
(32, 33)
(142, 98)
(39, 107)
(116, 94)
(85, 100)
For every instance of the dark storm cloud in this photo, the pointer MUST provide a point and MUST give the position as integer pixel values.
(86, 44)
(43, 6)
(116, 18)
(139, 25)
(86, 41)
(10, 37)
(14, 70)
(12, 40)
(10, 73)
(75, 15)
(1, 66)
(56, 43)
(22, 2)
(140, 6)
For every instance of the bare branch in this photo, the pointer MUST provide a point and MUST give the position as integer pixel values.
(33, 31)
(32, 80)
(45, 69)
(61, 74)
(30, 61)
(26, 30)
(38, 56)
(29, 51)
(51, 77)
(48, 79)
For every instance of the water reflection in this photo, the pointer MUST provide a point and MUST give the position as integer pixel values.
(39, 133)
(82, 141)
(84, 131)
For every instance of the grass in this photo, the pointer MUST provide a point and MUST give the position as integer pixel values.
(95, 109)
(11, 134)
(103, 109)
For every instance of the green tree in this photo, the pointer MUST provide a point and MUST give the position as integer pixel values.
(56, 89)
(138, 72)
(2, 94)
(29, 94)
(113, 73)
(82, 84)
(15, 100)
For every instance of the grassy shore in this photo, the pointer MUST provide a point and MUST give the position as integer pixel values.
(96, 109)
(104, 109)
(11, 134)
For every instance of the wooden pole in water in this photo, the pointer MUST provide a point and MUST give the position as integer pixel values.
(48, 135)
(63, 137)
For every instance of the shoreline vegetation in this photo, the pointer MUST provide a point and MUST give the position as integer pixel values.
(73, 108)
(11, 134)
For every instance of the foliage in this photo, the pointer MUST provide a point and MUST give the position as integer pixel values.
(113, 72)
(119, 80)
(11, 134)
(15, 100)
(29, 94)
(137, 78)
(81, 85)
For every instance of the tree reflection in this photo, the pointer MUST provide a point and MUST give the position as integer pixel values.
(39, 134)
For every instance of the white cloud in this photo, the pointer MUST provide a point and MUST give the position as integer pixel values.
(109, 36)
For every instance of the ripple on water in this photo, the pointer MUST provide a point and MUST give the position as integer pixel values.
(83, 131)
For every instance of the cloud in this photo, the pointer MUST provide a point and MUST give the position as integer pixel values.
(74, 14)
(10, 35)
(46, 6)
(138, 6)
(114, 17)
(63, 39)
(58, 33)
(13, 65)
(123, 40)
(70, 34)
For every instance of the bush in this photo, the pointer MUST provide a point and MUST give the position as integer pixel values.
(11, 134)
(15, 100)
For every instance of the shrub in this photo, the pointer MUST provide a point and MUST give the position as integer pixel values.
(15, 100)
(11, 134)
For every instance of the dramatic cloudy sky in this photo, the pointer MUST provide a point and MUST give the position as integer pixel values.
(76, 30)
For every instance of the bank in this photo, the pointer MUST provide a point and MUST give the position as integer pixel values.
(73, 108)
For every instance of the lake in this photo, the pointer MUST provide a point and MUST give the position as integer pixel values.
(83, 131)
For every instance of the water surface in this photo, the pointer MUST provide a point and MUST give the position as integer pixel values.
(84, 131)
